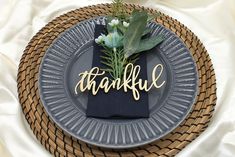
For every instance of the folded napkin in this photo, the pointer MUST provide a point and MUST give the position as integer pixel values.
(116, 103)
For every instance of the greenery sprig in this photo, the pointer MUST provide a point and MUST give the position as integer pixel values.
(124, 41)
(118, 9)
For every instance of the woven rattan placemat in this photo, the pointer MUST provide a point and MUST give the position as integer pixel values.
(59, 143)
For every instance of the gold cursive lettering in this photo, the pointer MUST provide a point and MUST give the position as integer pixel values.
(130, 81)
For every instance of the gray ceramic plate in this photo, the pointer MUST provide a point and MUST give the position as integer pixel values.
(71, 53)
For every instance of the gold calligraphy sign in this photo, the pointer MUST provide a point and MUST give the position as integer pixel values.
(129, 81)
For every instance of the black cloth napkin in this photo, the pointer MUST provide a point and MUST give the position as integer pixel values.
(116, 103)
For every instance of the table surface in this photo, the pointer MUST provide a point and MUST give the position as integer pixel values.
(213, 21)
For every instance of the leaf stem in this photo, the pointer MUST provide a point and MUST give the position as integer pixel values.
(115, 61)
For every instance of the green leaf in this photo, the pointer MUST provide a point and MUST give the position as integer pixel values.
(134, 32)
(147, 44)
(135, 11)
(146, 31)
(152, 16)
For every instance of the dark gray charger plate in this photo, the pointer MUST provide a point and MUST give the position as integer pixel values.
(71, 53)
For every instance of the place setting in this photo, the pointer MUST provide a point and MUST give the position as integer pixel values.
(116, 80)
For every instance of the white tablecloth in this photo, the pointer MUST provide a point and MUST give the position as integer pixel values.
(213, 21)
